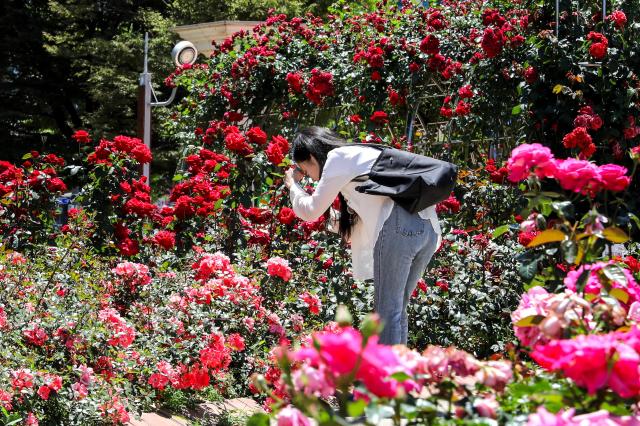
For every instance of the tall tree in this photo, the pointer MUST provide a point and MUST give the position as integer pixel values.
(70, 64)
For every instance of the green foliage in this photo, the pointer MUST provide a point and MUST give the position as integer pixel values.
(75, 64)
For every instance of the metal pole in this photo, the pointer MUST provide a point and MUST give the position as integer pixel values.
(604, 10)
(557, 18)
(145, 84)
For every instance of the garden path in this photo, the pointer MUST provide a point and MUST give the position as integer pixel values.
(209, 410)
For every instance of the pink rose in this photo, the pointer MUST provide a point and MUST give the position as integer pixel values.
(291, 416)
(593, 284)
(614, 177)
(487, 407)
(339, 353)
(526, 157)
(279, 267)
(578, 176)
(596, 361)
(533, 302)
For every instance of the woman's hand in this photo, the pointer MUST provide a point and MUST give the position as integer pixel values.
(291, 176)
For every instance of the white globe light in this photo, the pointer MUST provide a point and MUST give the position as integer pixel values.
(184, 53)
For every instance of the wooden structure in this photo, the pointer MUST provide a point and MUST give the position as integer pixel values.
(203, 34)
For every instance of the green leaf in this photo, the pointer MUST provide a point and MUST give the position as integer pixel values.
(547, 236)
(618, 410)
(528, 264)
(499, 231)
(620, 294)
(615, 235)
(530, 321)
(356, 408)
(258, 419)
(516, 110)
(400, 376)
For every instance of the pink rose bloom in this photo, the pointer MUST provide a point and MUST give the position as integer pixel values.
(596, 361)
(495, 374)
(544, 418)
(313, 381)
(136, 273)
(340, 353)
(634, 312)
(279, 267)
(566, 418)
(614, 177)
(487, 407)
(594, 286)
(533, 302)
(80, 391)
(31, 420)
(291, 416)
(209, 264)
(578, 176)
(526, 157)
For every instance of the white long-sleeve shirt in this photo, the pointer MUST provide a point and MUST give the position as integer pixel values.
(341, 167)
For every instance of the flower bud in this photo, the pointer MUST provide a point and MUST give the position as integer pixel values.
(343, 316)
(372, 325)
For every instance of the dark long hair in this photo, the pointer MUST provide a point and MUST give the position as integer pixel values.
(319, 141)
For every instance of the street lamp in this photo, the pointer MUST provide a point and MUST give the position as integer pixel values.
(182, 53)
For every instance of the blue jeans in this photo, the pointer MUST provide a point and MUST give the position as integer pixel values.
(402, 252)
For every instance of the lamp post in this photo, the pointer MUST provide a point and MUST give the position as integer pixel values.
(182, 53)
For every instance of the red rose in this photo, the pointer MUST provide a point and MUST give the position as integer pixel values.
(257, 136)
(598, 50)
(430, 45)
(530, 75)
(445, 111)
(492, 42)
(619, 18)
(465, 92)
(286, 216)
(355, 118)
(165, 239)
(516, 41)
(463, 108)
(233, 116)
(632, 263)
(295, 82)
(578, 138)
(395, 98)
(141, 153)
(128, 247)
(184, 207)
(237, 143)
(56, 185)
(256, 215)
(277, 150)
(442, 285)
(81, 136)
(320, 86)
(524, 238)
(596, 122)
(379, 117)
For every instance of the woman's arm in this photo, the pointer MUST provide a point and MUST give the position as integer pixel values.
(335, 175)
